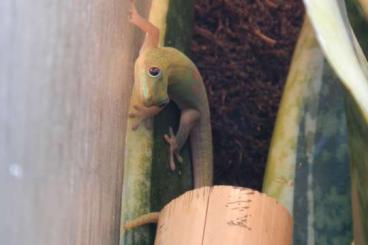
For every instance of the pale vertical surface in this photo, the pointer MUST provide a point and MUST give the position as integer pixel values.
(224, 215)
(65, 81)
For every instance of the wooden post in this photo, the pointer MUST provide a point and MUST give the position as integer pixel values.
(224, 215)
(65, 82)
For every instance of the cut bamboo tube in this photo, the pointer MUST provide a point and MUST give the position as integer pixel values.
(224, 215)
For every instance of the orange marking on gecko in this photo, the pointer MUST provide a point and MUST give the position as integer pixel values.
(196, 87)
(196, 75)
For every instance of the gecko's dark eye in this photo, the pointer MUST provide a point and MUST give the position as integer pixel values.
(154, 72)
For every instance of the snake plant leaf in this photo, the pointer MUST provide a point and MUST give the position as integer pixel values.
(307, 168)
(344, 53)
(148, 183)
(305, 70)
(329, 19)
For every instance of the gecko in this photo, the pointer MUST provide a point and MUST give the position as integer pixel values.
(162, 74)
(165, 74)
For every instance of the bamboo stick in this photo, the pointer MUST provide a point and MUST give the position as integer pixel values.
(224, 215)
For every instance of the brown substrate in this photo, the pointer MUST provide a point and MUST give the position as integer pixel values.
(243, 49)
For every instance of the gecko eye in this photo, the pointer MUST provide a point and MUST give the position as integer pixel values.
(154, 72)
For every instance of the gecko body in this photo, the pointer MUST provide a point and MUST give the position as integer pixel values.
(163, 74)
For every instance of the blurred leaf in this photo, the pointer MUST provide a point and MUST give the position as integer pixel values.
(307, 167)
(342, 50)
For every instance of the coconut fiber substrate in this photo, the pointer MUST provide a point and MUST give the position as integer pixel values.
(243, 49)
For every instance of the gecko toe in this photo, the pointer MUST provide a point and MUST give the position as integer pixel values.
(167, 138)
(148, 125)
(179, 158)
(135, 126)
(137, 107)
(172, 166)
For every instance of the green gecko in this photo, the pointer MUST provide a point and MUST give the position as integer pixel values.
(163, 74)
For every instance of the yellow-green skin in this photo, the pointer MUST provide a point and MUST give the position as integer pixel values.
(181, 82)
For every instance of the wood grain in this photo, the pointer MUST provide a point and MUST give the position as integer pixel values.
(65, 82)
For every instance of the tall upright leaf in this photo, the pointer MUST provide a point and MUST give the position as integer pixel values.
(304, 71)
(342, 50)
(307, 168)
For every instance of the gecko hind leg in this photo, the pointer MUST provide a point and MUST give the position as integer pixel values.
(174, 149)
(188, 119)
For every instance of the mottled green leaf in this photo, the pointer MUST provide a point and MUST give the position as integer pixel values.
(311, 169)
(344, 53)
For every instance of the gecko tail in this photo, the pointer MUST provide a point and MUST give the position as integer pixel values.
(142, 220)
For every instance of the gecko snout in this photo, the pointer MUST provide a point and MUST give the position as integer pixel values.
(152, 102)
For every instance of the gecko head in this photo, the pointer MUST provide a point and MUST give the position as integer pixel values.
(152, 80)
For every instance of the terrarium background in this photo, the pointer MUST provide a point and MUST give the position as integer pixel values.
(243, 49)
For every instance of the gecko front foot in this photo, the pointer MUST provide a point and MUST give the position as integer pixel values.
(142, 113)
(174, 149)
